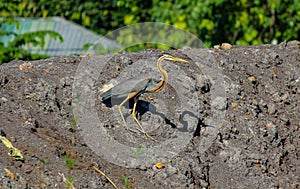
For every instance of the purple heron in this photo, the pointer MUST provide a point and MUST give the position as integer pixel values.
(133, 89)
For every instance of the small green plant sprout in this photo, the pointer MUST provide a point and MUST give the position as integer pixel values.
(74, 123)
(138, 151)
(70, 160)
(126, 183)
(69, 181)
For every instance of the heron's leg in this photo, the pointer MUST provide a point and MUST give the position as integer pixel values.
(136, 120)
(134, 116)
(130, 95)
(120, 110)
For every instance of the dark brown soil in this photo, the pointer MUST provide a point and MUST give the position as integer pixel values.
(256, 144)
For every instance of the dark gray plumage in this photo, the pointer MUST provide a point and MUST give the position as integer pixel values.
(121, 91)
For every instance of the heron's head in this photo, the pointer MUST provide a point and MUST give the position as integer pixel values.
(172, 58)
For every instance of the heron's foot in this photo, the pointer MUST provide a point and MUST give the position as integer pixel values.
(141, 129)
(147, 135)
(144, 132)
(130, 130)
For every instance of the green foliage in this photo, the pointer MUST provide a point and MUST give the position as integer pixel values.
(14, 47)
(238, 22)
(100, 16)
(213, 21)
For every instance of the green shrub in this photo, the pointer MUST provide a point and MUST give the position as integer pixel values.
(213, 21)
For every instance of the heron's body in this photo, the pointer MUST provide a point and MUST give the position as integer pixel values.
(137, 86)
(132, 89)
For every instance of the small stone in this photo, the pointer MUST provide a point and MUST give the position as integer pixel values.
(125, 60)
(204, 83)
(217, 47)
(3, 99)
(219, 103)
(27, 169)
(284, 119)
(172, 170)
(271, 126)
(234, 104)
(285, 97)
(223, 46)
(226, 46)
(203, 183)
(30, 95)
(271, 108)
(262, 103)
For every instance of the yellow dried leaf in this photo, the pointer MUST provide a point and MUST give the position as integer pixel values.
(159, 165)
(13, 151)
(274, 74)
(251, 78)
(150, 98)
(23, 68)
(10, 174)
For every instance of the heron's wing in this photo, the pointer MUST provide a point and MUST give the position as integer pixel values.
(123, 89)
(151, 84)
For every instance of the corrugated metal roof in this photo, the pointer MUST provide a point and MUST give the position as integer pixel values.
(75, 36)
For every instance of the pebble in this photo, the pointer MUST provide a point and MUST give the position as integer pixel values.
(203, 83)
(125, 60)
(172, 170)
(234, 104)
(271, 108)
(3, 99)
(271, 126)
(270, 89)
(219, 103)
(27, 169)
(284, 118)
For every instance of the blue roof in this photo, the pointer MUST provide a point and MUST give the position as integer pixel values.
(74, 35)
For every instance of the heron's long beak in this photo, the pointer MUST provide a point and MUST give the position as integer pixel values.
(179, 60)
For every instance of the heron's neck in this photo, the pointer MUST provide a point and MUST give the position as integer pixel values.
(164, 73)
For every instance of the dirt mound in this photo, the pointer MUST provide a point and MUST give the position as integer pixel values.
(255, 145)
